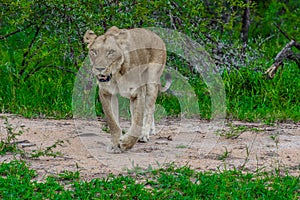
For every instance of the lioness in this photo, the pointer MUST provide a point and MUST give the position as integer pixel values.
(129, 63)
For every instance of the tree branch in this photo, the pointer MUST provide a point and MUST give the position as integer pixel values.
(297, 45)
(283, 33)
(2, 37)
(28, 50)
(285, 53)
(36, 69)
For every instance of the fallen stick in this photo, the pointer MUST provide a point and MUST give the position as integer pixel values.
(283, 54)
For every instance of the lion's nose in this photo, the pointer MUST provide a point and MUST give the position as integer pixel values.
(98, 70)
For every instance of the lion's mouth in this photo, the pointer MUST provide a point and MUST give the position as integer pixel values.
(103, 78)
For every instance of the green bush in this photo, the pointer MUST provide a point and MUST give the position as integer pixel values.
(42, 49)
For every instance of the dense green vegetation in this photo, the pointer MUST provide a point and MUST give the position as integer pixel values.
(17, 181)
(42, 49)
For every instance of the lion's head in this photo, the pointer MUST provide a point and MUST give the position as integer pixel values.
(105, 53)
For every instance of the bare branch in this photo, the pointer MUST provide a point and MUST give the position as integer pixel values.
(14, 32)
(28, 50)
(285, 53)
(37, 68)
(172, 20)
(283, 33)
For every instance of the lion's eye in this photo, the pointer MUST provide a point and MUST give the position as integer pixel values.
(110, 52)
(93, 52)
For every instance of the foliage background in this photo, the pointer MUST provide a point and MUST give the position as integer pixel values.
(42, 49)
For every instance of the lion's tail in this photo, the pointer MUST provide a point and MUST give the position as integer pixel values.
(168, 83)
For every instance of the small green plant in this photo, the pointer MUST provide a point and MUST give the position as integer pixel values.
(275, 138)
(248, 151)
(225, 155)
(8, 140)
(69, 175)
(181, 146)
(235, 131)
(105, 128)
(48, 151)
(8, 143)
(136, 169)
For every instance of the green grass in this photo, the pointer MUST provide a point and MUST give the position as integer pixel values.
(249, 95)
(41, 53)
(17, 181)
(45, 94)
(252, 97)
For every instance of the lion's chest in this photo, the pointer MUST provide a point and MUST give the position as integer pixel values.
(126, 88)
(128, 84)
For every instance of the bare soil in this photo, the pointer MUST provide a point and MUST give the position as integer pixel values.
(199, 144)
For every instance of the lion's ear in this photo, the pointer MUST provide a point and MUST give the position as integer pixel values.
(89, 37)
(113, 31)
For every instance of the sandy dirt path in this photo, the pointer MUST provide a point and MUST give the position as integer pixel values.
(192, 142)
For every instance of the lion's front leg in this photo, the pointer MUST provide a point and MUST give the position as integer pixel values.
(138, 105)
(110, 108)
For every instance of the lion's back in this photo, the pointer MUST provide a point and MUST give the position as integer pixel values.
(143, 38)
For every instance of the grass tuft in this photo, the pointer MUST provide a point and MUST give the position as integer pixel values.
(170, 182)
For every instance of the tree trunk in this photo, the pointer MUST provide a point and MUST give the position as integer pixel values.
(245, 25)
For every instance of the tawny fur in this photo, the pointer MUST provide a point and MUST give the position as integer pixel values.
(129, 63)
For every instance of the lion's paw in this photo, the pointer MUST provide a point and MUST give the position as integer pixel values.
(152, 131)
(127, 142)
(144, 138)
(113, 149)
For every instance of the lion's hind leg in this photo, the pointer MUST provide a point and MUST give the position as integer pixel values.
(148, 121)
(152, 129)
